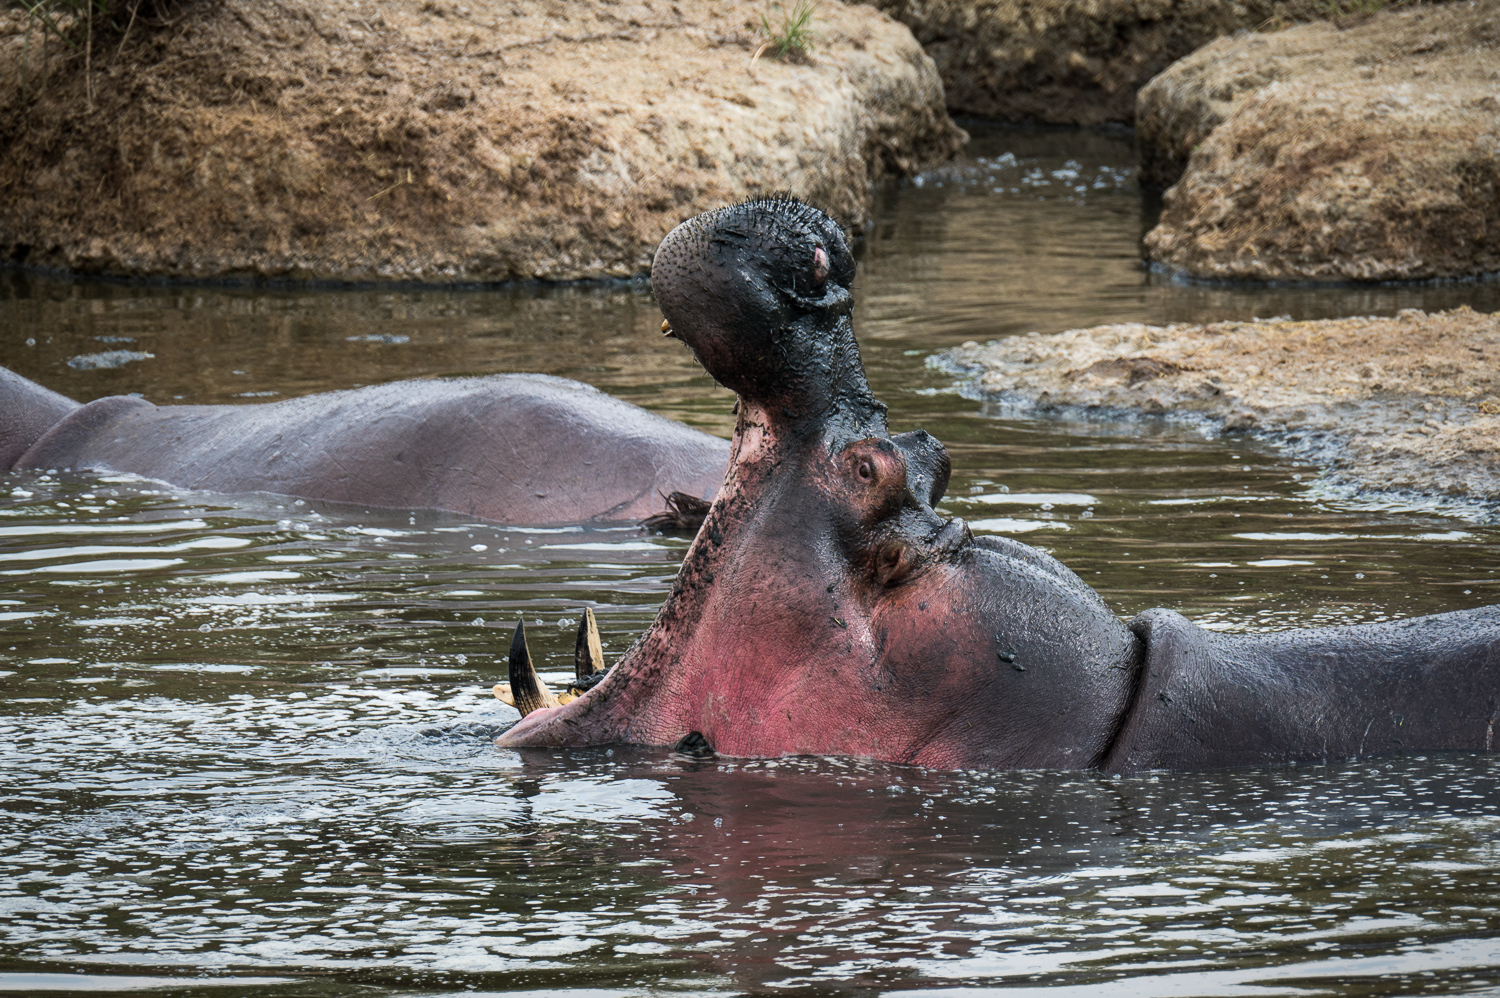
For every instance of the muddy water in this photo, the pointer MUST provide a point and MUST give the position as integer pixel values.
(245, 744)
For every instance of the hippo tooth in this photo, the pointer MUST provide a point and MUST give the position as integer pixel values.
(588, 652)
(526, 688)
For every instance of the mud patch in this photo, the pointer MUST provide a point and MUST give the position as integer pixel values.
(1409, 403)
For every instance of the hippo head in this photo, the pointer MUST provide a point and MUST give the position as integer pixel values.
(825, 607)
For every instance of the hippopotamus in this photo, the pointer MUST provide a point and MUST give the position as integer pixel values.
(826, 608)
(516, 449)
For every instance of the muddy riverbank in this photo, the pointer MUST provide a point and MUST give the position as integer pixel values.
(441, 142)
(1408, 403)
(1365, 149)
(1074, 62)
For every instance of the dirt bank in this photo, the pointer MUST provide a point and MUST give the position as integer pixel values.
(1406, 403)
(1364, 149)
(1072, 62)
(442, 141)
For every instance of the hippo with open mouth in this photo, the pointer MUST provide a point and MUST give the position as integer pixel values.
(825, 608)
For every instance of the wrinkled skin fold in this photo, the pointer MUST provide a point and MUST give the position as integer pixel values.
(826, 608)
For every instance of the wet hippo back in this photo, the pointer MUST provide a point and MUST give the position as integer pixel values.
(27, 411)
(509, 448)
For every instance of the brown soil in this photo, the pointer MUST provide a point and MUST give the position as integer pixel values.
(1072, 62)
(1406, 403)
(1366, 149)
(442, 141)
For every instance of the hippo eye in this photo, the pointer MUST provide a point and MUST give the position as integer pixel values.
(820, 265)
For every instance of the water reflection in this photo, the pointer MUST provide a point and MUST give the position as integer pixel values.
(247, 736)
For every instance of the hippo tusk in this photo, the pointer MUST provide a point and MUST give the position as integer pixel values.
(526, 692)
(588, 669)
(666, 328)
(588, 653)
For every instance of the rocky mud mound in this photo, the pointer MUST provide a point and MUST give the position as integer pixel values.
(1072, 62)
(1365, 149)
(1404, 403)
(441, 141)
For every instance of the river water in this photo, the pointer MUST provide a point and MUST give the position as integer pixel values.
(245, 742)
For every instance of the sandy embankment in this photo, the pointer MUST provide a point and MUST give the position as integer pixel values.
(442, 141)
(1410, 403)
(1366, 149)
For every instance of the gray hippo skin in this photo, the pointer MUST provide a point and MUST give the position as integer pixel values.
(825, 608)
(517, 449)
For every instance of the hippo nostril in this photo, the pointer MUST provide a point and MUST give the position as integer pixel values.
(866, 470)
(820, 265)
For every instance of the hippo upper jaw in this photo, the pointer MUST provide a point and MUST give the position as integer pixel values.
(761, 294)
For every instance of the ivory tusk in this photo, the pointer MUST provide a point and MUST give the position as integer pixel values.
(588, 652)
(528, 693)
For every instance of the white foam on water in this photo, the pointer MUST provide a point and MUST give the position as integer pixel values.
(29, 983)
(1029, 499)
(403, 672)
(246, 578)
(154, 527)
(1007, 525)
(108, 566)
(605, 546)
(265, 599)
(199, 543)
(603, 801)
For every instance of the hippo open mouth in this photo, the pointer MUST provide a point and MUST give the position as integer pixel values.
(826, 608)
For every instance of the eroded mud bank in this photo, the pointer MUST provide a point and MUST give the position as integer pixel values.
(1072, 62)
(1409, 403)
(1365, 149)
(483, 141)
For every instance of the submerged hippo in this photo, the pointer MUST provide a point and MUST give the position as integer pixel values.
(516, 448)
(825, 608)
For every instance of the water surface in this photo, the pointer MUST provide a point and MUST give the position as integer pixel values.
(249, 738)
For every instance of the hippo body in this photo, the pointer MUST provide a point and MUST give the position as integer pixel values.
(519, 449)
(826, 608)
(1208, 700)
